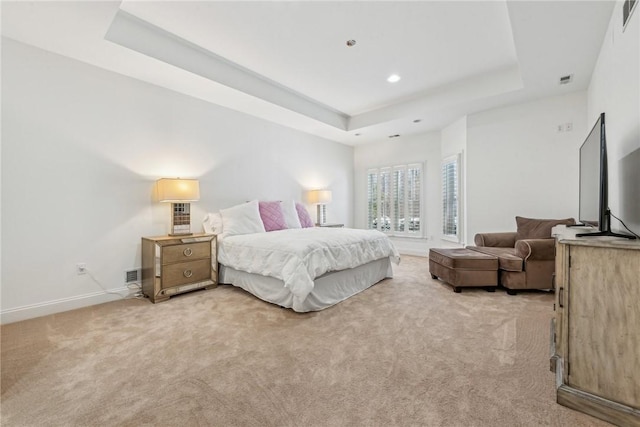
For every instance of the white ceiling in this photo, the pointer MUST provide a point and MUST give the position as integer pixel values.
(288, 62)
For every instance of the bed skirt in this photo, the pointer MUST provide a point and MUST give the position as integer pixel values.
(329, 289)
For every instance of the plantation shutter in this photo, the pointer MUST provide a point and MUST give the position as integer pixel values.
(372, 198)
(414, 189)
(384, 224)
(450, 181)
(399, 207)
(394, 199)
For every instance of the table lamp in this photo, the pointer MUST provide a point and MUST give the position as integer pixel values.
(320, 198)
(179, 192)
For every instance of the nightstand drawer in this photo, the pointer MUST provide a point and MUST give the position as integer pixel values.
(186, 272)
(185, 252)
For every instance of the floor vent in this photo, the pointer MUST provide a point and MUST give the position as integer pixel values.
(132, 276)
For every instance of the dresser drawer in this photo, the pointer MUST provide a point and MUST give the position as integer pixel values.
(186, 272)
(186, 252)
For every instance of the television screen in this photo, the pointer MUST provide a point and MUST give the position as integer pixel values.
(594, 197)
(590, 175)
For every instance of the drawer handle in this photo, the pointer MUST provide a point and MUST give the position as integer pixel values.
(187, 252)
(561, 297)
(187, 273)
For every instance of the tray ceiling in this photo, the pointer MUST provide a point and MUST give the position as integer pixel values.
(289, 62)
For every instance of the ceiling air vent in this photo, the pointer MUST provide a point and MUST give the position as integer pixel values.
(566, 79)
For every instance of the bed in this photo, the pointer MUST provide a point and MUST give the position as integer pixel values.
(303, 268)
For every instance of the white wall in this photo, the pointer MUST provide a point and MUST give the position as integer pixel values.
(454, 138)
(82, 148)
(410, 149)
(515, 163)
(519, 164)
(615, 90)
(1, 174)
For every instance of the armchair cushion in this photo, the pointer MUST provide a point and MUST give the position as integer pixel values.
(507, 258)
(498, 240)
(536, 249)
(531, 228)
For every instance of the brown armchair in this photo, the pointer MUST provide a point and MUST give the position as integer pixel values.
(526, 258)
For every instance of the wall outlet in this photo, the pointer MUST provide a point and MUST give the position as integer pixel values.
(81, 268)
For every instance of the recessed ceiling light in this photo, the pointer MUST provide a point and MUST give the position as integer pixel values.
(393, 78)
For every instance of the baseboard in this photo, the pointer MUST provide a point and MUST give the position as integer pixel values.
(59, 305)
(413, 252)
(420, 247)
(596, 406)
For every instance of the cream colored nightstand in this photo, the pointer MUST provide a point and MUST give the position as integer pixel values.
(175, 264)
(330, 225)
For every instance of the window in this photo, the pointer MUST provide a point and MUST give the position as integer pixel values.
(451, 198)
(394, 199)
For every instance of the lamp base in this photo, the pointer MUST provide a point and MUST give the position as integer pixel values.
(180, 219)
(321, 214)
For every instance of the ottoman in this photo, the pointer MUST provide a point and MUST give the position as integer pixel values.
(464, 268)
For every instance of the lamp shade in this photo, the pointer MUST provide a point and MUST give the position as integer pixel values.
(178, 190)
(319, 196)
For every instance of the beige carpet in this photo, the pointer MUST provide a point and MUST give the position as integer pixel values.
(406, 352)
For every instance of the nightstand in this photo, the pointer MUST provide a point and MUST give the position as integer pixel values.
(330, 225)
(175, 264)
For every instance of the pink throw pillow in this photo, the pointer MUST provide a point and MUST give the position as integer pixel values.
(303, 215)
(272, 216)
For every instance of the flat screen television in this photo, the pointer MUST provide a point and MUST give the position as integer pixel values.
(594, 189)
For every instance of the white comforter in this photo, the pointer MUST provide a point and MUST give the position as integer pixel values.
(298, 256)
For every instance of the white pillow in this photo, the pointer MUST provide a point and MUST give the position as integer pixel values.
(212, 223)
(242, 219)
(290, 214)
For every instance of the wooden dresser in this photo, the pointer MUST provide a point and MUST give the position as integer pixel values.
(596, 330)
(176, 264)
